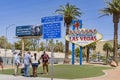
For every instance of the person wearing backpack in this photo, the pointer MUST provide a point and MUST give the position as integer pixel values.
(45, 59)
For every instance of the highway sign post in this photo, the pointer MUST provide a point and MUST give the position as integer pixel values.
(52, 30)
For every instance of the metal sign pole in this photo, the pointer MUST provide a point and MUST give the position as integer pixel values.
(52, 60)
(52, 30)
(73, 50)
(80, 46)
(52, 65)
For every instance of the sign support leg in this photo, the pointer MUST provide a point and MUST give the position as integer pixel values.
(52, 60)
(73, 47)
(73, 50)
(22, 47)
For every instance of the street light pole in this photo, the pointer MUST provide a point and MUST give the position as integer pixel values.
(6, 40)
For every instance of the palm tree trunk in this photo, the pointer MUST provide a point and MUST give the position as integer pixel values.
(115, 43)
(87, 58)
(67, 47)
(107, 57)
(115, 48)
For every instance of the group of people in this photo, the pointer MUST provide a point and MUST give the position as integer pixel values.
(32, 60)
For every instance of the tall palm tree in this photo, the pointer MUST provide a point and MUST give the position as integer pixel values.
(113, 8)
(108, 48)
(69, 12)
(90, 46)
(3, 40)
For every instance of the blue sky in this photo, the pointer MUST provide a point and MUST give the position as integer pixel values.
(30, 12)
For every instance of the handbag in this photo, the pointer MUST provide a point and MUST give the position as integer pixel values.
(38, 61)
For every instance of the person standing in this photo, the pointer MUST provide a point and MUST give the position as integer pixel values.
(17, 63)
(35, 64)
(45, 59)
(27, 62)
(1, 62)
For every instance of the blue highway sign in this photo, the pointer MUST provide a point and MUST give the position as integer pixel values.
(52, 19)
(51, 30)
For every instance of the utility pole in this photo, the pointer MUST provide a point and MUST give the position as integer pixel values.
(5, 42)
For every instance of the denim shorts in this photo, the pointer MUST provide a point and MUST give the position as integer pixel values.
(34, 64)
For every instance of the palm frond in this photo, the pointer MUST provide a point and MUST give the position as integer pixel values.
(69, 10)
(113, 7)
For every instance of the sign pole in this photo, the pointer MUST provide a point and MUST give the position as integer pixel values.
(73, 50)
(52, 65)
(52, 30)
(73, 53)
(80, 55)
(22, 47)
(52, 60)
(80, 46)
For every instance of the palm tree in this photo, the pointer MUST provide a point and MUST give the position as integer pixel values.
(108, 48)
(50, 45)
(42, 46)
(90, 46)
(77, 52)
(69, 12)
(28, 44)
(2, 41)
(59, 47)
(34, 44)
(113, 8)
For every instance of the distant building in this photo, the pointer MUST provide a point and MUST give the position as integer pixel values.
(99, 46)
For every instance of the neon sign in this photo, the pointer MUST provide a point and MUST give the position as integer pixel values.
(83, 36)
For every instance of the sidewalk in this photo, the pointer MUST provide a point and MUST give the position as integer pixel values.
(11, 77)
(111, 74)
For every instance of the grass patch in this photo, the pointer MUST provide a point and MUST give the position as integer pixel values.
(68, 71)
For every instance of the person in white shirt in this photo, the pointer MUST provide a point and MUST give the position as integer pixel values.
(35, 64)
(17, 63)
